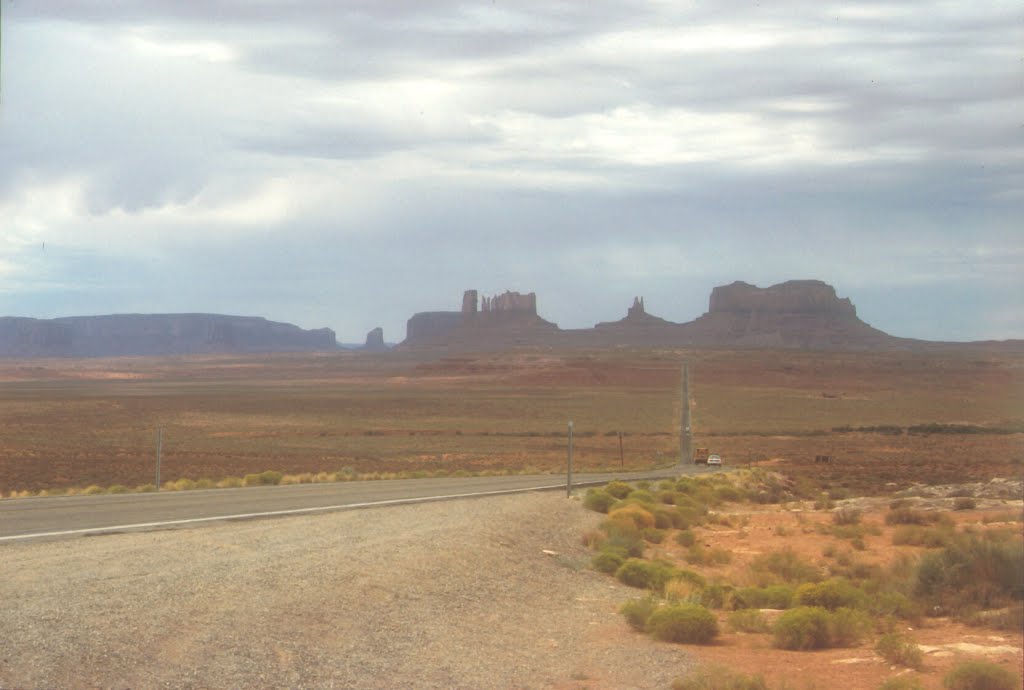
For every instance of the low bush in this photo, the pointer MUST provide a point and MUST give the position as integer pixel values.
(749, 621)
(637, 611)
(901, 683)
(898, 650)
(832, 594)
(846, 515)
(905, 515)
(267, 478)
(964, 503)
(717, 678)
(93, 490)
(916, 535)
(847, 627)
(773, 597)
(641, 496)
(607, 562)
(638, 515)
(636, 572)
(685, 537)
(786, 566)
(664, 517)
(618, 489)
(802, 628)
(654, 535)
(973, 572)
(980, 675)
(117, 489)
(598, 500)
(624, 536)
(683, 623)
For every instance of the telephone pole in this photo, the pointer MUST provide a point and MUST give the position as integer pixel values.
(685, 431)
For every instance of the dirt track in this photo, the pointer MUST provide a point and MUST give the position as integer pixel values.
(448, 595)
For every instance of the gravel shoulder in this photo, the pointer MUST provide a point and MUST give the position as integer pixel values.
(456, 594)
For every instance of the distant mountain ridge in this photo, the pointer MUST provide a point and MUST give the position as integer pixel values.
(116, 335)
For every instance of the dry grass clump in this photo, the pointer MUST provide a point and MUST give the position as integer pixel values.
(718, 678)
(898, 650)
(980, 675)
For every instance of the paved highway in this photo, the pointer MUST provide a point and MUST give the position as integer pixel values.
(70, 516)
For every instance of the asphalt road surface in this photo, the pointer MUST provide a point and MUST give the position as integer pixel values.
(71, 516)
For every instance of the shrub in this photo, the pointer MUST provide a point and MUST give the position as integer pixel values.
(785, 565)
(598, 500)
(618, 489)
(230, 483)
(146, 488)
(916, 535)
(728, 493)
(847, 627)
(806, 627)
(654, 535)
(267, 478)
(637, 611)
(118, 489)
(974, 571)
(964, 503)
(642, 496)
(717, 678)
(664, 517)
(606, 562)
(831, 594)
(901, 683)
(773, 597)
(846, 515)
(636, 572)
(624, 535)
(684, 623)
(749, 621)
(686, 537)
(896, 649)
(909, 516)
(638, 515)
(93, 490)
(980, 675)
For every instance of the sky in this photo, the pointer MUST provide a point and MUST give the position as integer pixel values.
(346, 164)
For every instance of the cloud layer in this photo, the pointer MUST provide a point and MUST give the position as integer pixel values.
(347, 165)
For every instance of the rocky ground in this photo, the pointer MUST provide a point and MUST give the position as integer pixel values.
(486, 593)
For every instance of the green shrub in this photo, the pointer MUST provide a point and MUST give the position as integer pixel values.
(684, 623)
(718, 678)
(654, 535)
(93, 490)
(637, 514)
(714, 596)
(618, 489)
(598, 500)
(846, 516)
(607, 562)
(636, 572)
(773, 597)
(974, 571)
(728, 494)
(664, 517)
(904, 515)
(901, 683)
(980, 675)
(642, 496)
(637, 611)
(146, 488)
(266, 478)
(896, 649)
(749, 621)
(847, 627)
(892, 603)
(686, 537)
(117, 489)
(666, 496)
(623, 535)
(785, 565)
(964, 503)
(805, 627)
(831, 594)
(916, 535)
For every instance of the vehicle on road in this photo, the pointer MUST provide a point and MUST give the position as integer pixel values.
(714, 459)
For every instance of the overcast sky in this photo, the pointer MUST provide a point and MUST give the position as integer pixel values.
(346, 164)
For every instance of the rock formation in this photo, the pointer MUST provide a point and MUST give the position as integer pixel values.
(155, 334)
(794, 314)
(375, 340)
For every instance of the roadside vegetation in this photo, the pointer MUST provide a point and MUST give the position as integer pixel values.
(660, 539)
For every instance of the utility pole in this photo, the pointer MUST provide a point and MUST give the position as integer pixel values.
(685, 431)
(568, 474)
(159, 451)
